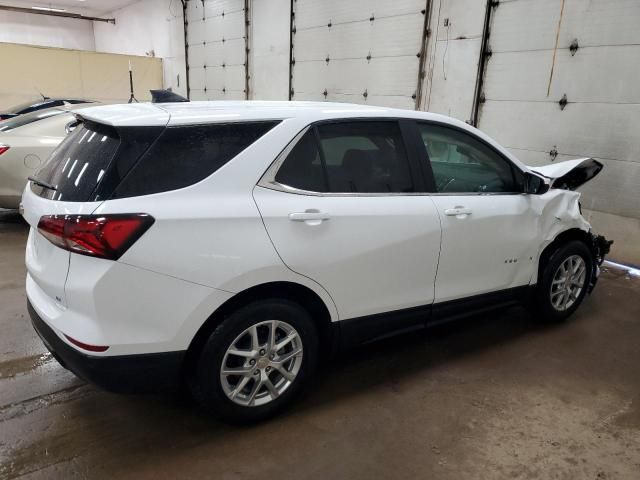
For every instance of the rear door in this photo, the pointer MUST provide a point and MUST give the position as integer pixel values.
(489, 227)
(341, 207)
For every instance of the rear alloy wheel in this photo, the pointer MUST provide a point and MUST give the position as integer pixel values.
(563, 281)
(261, 363)
(256, 361)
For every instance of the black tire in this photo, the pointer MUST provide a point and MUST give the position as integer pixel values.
(206, 384)
(544, 308)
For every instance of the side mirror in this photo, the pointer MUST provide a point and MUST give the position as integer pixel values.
(534, 184)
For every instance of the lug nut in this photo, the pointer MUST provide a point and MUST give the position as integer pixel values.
(257, 372)
(268, 369)
(262, 352)
(252, 362)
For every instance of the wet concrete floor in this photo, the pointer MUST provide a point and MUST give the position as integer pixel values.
(496, 396)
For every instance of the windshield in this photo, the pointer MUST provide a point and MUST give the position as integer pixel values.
(27, 118)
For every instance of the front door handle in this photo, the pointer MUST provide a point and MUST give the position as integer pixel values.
(309, 216)
(456, 211)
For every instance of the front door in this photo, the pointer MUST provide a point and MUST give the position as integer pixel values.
(489, 227)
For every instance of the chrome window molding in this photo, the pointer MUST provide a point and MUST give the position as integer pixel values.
(268, 180)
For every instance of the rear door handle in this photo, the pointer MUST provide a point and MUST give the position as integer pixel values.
(455, 211)
(309, 216)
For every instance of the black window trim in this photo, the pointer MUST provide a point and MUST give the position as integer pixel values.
(427, 168)
(409, 143)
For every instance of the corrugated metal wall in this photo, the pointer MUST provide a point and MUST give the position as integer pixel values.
(370, 51)
(216, 49)
(531, 68)
(358, 51)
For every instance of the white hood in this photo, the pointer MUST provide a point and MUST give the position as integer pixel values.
(570, 174)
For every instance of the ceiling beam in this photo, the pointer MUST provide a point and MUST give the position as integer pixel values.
(76, 16)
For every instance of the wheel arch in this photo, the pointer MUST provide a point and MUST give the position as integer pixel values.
(563, 238)
(295, 292)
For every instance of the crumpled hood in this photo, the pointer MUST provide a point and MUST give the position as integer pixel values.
(570, 174)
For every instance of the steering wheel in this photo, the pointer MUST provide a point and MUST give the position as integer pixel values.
(444, 183)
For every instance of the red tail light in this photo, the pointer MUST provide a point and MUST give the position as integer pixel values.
(3, 148)
(103, 236)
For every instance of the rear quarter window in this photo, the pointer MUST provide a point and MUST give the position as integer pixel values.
(184, 155)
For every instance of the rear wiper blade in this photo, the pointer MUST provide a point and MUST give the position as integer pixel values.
(46, 185)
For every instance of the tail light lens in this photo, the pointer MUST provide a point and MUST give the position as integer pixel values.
(3, 148)
(102, 236)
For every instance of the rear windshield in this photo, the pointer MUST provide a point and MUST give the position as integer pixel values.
(77, 166)
(27, 118)
(96, 162)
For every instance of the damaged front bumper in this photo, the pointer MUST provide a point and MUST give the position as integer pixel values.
(600, 247)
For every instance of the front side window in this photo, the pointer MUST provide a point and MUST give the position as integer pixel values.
(464, 164)
(349, 157)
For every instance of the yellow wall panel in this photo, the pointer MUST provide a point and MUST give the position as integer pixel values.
(59, 72)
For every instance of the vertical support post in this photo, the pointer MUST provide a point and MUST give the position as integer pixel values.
(423, 54)
(186, 46)
(482, 61)
(247, 24)
(291, 27)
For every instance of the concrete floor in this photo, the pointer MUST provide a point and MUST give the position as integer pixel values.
(493, 397)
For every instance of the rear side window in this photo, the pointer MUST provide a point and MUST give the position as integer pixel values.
(184, 155)
(303, 168)
(349, 157)
(77, 166)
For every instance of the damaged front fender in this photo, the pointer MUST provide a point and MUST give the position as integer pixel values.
(600, 247)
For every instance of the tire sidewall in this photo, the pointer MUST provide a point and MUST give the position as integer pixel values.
(546, 308)
(209, 390)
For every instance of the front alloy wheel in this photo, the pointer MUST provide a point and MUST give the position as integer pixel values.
(568, 282)
(563, 281)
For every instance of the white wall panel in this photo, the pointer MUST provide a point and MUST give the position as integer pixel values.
(353, 77)
(151, 28)
(216, 34)
(314, 13)
(453, 78)
(383, 37)
(346, 33)
(269, 62)
(59, 32)
(452, 57)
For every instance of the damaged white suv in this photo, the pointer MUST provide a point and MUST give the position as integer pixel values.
(233, 245)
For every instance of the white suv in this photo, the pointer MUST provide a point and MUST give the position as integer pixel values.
(233, 245)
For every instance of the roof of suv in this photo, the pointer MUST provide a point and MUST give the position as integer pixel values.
(184, 113)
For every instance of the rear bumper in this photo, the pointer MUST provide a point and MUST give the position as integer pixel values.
(145, 373)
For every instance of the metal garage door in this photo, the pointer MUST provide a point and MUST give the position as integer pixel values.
(217, 49)
(588, 51)
(360, 51)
